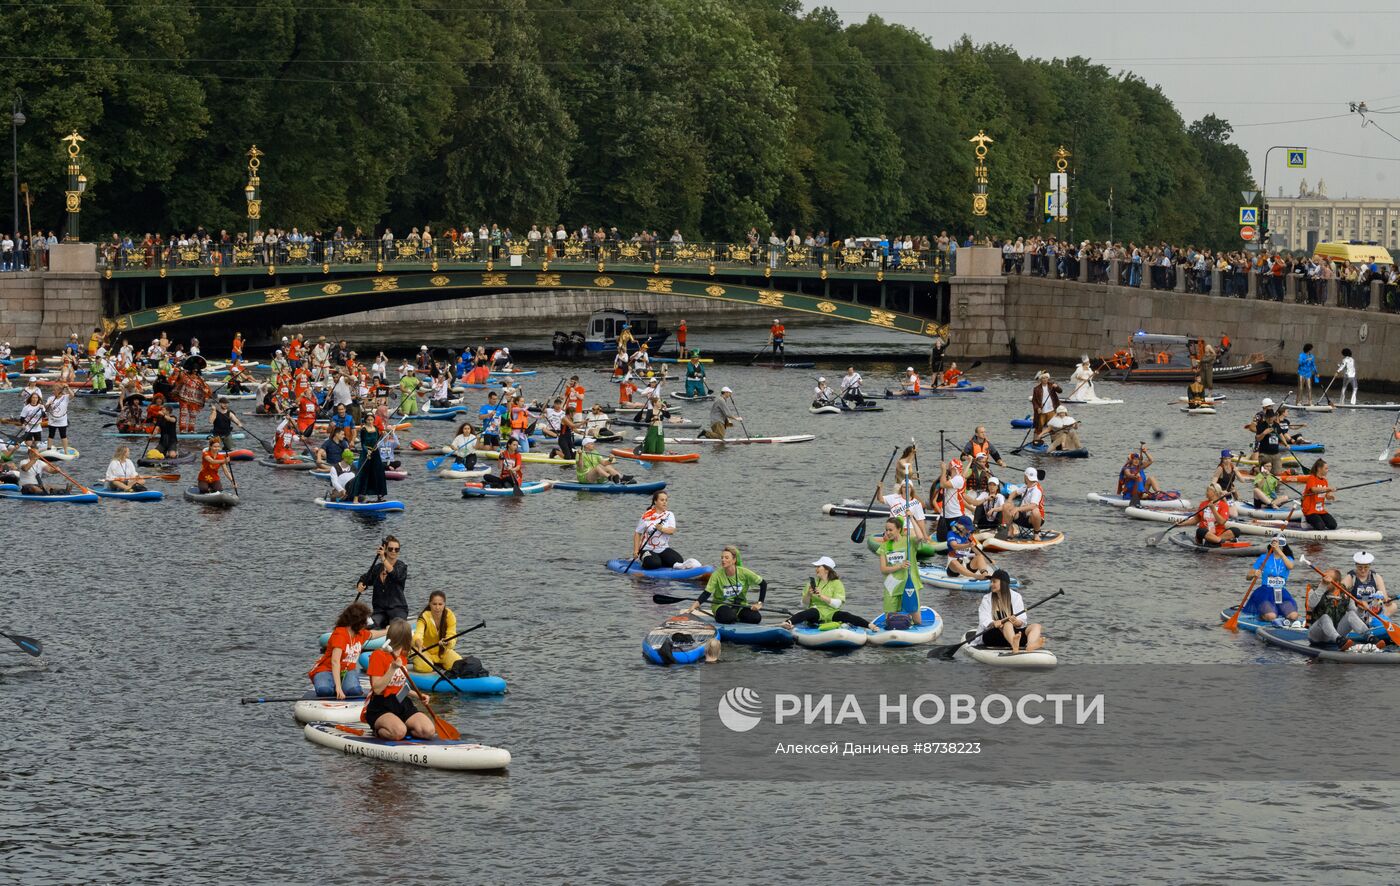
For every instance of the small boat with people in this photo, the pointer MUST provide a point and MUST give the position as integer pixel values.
(606, 324)
(1176, 358)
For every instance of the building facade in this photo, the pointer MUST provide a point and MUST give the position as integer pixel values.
(1299, 223)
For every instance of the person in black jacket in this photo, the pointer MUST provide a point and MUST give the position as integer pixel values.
(386, 577)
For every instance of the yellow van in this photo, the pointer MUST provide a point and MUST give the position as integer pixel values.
(1357, 253)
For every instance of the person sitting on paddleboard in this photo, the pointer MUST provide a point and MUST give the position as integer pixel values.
(651, 540)
(1316, 493)
(980, 444)
(212, 461)
(823, 395)
(952, 376)
(850, 387)
(1133, 480)
(1001, 620)
(1271, 601)
(627, 395)
(1368, 586)
(986, 512)
(342, 474)
(391, 710)
(329, 452)
(1028, 513)
(1287, 427)
(1335, 615)
(592, 467)
(342, 654)
(464, 446)
(729, 587)
(1268, 491)
(121, 472)
(1060, 429)
(1226, 474)
(435, 622)
(1196, 394)
(1214, 513)
(31, 474)
(284, 439)
(822, 599)
(512, 471)
(167, 426)
(910, 386)
(964, 557)
(895, 552)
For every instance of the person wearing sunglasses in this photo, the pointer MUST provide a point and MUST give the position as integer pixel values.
(386, 579)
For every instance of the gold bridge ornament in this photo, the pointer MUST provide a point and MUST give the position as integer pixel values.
(715, 291)
(603, 281)
(224, 304)
(440, 280)
(770, 298)
(826, 307)
(493, 279)
(168, 313)
(658, 284)
(881, 318)
(331, 288)
(273, 296)
(385, 284)
(547, 280)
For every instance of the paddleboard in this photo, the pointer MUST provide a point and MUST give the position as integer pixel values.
(366, 506)
(1039, 660)
(832, 636)
(1296, 640)
(1162, 504)
(687, 637)
(735, 441)
(665, 456)
(436, 754)
(612, 488)
(914, 635)
(620, 565)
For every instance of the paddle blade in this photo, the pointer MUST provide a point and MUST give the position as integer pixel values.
(858, 534)
(445, 729)
(353, 730)
(665, 599)
(433, 464)
(946, 653)
(1232, 624)
(28, 644)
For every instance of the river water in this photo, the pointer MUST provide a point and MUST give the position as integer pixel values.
(129, 759)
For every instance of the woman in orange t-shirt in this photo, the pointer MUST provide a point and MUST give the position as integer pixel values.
(212, 461)
(342, 655)
(391, 710)
(1316, 493)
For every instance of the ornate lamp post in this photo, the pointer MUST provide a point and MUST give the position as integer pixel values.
(16, 121)
(252, 191)
(77, 184)
(979, 188)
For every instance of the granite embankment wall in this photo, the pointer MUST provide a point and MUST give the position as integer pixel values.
(1057, 320)
(536, 313)
(41, 309)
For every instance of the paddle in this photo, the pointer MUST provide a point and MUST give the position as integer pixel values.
(444, 729)
(249, 431)
(947, 652)
(67, 477)
(666, 599)
(1155, 540)
(1232, 624)
(360, 591)
(228, 466)
(1391, 629)
(264, 699)
(761, 350)
(1390, 441)
(28, 644)
(858, 534)
(741, 418)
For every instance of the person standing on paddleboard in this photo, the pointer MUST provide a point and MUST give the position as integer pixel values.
(1307, 371)
(729, 587)
(777, 333)
(896, 569)
(1045, 399)
(386, 579)
(979, 444)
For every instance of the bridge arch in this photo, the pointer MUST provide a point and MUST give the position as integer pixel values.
(304, 302)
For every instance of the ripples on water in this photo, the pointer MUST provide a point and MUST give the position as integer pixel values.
(129, 759)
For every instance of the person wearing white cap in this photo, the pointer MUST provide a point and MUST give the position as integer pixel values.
(776, 334)
(723, 414)
(591, 467)
(823, 395)
(1083, 380)
(822, 599)
(1061, 430)
(909, 386)
(1367, 585)
(1271, 601)
(1045, 397)
(1335, 619)
(1029, 511)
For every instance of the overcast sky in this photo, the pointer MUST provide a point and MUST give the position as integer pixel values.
(1258, 65)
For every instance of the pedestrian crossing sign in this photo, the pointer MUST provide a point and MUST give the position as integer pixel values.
(1297, 158)
(1249, 215)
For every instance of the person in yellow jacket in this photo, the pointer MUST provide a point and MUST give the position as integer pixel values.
(434, 623)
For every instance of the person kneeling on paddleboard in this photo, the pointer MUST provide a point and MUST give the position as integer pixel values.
(1271, 601)
(723, 414)
(823, 598)
(1029, 514)
(729, 587)
(1335, 615)
(212, 461)
(391, 710)
(1316, 493)
(512, 470)
(695, 377)
(1001, 622)
(896, 552)
(1211, 530)
(964, 557)
(1196, 394)
(342, 655)
(1368, 586)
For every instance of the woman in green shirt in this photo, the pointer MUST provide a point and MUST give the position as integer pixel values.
(895, 554)
(590, 467)
(1266, 489)
(409, 385)
(823, 598)
(728, 590)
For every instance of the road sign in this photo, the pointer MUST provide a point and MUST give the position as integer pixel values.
(1059, 195)
(1249, 215)
(1297, 158)
(1249, 197)
(1248, 233)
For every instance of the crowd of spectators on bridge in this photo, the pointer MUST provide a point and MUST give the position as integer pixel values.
(21, 252)
(1163, 266)
(496, 243)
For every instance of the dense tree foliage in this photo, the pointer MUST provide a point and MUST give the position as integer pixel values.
(709, 116)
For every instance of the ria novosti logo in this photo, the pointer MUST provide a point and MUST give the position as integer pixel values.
(740, 709)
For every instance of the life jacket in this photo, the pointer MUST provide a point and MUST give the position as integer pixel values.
(519, 418)
(975, 449)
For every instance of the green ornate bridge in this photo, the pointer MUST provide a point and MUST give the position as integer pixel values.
(207, 294)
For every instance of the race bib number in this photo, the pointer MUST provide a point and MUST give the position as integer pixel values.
(1276, 582)
(895, 558)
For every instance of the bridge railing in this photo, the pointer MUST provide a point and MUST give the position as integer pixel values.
(379, 253)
